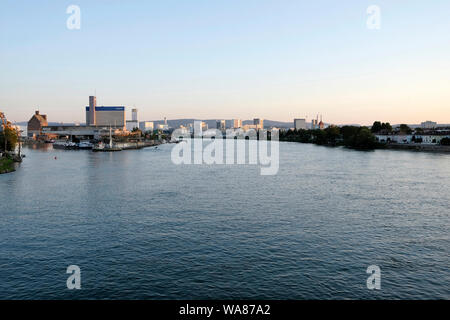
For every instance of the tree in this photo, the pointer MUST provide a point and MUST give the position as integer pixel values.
(376, 127)
(363, 138)
(332, 134)
(445, 141)
(348, 132)
(11, 139)
(405, 129)
(386, 127)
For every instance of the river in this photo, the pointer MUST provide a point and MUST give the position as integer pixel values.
(141, 227)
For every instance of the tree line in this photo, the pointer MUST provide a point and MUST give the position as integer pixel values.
(361, 138)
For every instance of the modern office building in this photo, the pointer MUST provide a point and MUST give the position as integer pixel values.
(113, 116)
(237, 123)
(300, 124)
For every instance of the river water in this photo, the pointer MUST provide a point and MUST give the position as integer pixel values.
(141, 227)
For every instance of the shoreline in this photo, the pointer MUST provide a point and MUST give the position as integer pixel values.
(418, 147)
(392, 146)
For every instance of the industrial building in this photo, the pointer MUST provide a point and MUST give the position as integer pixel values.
(316, 124)
(113, 116)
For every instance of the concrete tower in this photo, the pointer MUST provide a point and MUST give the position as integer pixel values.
(92, 106)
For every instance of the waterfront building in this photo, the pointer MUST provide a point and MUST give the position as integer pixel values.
(35, 125)
(428, 125)
(412, 138)
(300, 124)
(113, 116)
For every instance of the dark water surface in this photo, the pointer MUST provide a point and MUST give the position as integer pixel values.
(141, 227)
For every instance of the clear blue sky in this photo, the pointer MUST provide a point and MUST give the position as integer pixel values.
(228, 59)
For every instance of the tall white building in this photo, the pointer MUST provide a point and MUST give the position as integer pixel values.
(134, 114)
(300, 124)
(198, 128)
(428, 125)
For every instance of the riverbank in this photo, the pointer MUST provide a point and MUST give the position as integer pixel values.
(6, 165)
(418, 147)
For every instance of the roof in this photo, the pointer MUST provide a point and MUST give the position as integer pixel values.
(102, 108)
(40, 117)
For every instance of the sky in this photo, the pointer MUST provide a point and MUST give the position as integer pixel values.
(215, 59)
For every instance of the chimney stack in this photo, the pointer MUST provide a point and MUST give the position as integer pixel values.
(92, 106)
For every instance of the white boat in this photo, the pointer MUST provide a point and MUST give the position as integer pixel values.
(85, 145)
(66, 145)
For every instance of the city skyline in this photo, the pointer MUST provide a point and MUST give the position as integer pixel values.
(227, 60)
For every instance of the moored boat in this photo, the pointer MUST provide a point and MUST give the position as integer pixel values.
(65, 145)
(85, 145)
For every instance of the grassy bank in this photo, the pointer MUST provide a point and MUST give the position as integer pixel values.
(6, 165)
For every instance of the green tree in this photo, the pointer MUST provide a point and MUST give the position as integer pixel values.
(376, 127)
(404, 128)
(11, 139)
(332, 134)
(386, 127)
(363, 138)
